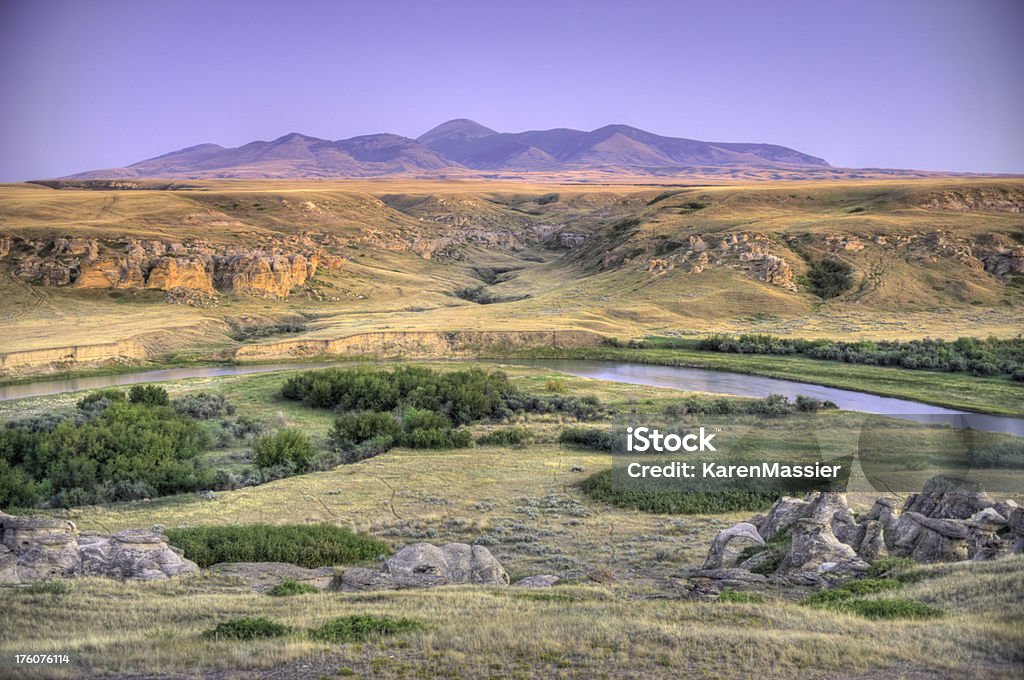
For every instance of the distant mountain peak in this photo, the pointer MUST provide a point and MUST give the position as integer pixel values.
(456, 127)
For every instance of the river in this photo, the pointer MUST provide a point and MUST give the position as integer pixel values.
(688, 379)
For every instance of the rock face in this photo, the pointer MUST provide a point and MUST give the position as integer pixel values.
(816, 540)
(272, 270)
(35, 548)
(423, 565)
(729, 545)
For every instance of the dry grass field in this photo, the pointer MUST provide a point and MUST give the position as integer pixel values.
(618, 614)
(609, 281)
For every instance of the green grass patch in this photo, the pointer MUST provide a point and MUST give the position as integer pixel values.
(361, 627)
(290, 587)
(890, 608)
(890, 566)
(851, 590)
(849, 598)
(738, 597)
(307, 545)
(599, 487)
(250, 628)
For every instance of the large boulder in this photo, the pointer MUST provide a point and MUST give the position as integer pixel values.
(927, 539)
(948, 497)
(729, 545)
(424, 565)
(815, 550)
(783, 515)
(132, 554)
(37, 548)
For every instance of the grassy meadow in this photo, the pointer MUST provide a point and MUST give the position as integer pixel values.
(624, 570)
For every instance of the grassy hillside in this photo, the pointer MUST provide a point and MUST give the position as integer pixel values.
(927, 257)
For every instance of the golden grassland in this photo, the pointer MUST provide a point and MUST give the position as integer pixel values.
(619, 615)
(591, 631)
(378, 288)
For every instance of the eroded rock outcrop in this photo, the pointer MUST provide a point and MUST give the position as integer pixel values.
(38, 548)
(818, 540)
(272, 270)
(424, 565)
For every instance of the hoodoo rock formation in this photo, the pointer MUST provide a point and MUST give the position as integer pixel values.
(817, 540)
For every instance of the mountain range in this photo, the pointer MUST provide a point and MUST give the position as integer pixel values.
(460, 147)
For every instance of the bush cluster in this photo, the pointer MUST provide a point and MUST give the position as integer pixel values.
(287, 447)
(363, 434)
(830, 278)
(1006, 455)
(359, 627)
(289, 587)
(983, 357)
(420, 408)
(599, 487)
(111, 449)
(462, 396)
(307, 545)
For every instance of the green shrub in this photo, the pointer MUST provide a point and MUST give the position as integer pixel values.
(247, 629)
(600, 488)
(461, 396)
(438, 438)
(148, 395)
(361, 627)
(307, 545)
(738, 597)
(830, 278)
(203, 406)
(287, 447)
(592, 438)
(507, 436)
(554, 386)
(893, 608)
(109, 396)
(289, 587)
(984, 357)
(111, 450)
(355, 428)
(1008, 454)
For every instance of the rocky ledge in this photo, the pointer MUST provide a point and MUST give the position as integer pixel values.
(271, 270)
(817, 541)
(38, 548)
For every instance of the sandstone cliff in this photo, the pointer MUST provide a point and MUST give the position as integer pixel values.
(272, 270)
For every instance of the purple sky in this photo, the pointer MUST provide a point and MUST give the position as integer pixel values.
(926, 84)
